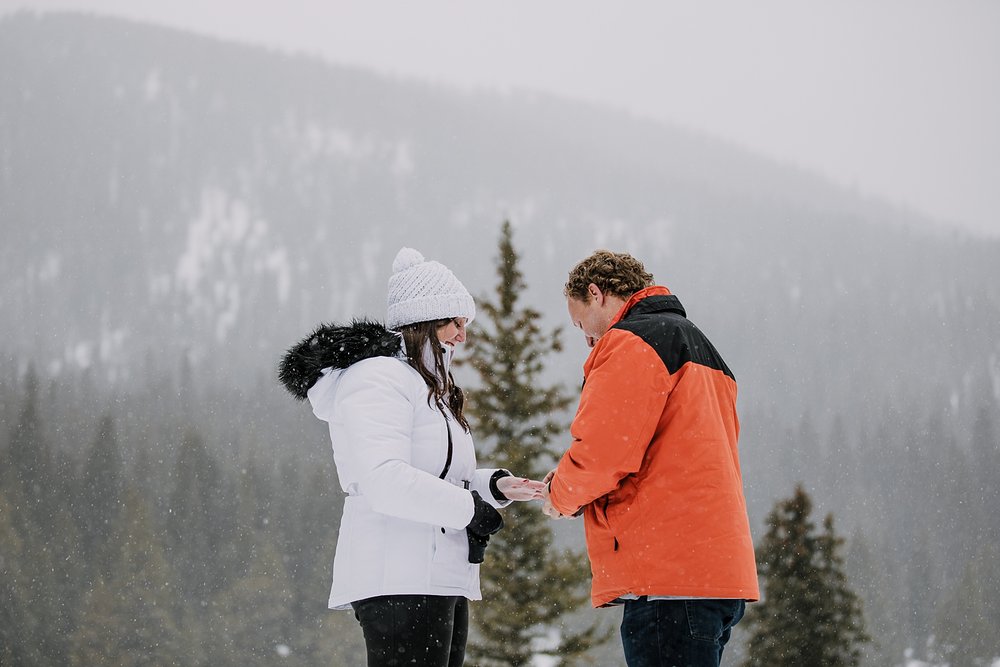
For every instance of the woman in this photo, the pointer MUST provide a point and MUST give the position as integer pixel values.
(418, 513)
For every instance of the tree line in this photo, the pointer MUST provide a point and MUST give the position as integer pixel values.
(166, 557)
(158, 520)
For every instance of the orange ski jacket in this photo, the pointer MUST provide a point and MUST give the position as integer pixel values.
(654, 462)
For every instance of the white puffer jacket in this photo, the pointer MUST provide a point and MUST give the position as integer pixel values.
(403, 529)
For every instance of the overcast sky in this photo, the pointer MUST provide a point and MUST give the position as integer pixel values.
(896, 98)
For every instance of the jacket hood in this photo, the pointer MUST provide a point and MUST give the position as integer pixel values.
(334, 346)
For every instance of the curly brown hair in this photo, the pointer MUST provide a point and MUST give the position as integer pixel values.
(615, 273)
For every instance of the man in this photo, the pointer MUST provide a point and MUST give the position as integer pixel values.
(654, 469)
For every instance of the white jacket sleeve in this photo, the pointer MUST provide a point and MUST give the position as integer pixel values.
(376, 410)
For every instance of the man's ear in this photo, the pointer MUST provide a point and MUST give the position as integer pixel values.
(596, 293)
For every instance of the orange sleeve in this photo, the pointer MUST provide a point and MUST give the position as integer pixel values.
(621, 404)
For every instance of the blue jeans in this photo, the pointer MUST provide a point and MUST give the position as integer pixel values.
(678, 633)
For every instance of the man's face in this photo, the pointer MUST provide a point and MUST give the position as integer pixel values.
(589, 316)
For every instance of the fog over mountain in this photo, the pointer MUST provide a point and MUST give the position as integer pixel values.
(169, 192)
(170, 196)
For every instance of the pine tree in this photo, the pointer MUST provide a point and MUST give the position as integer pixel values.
(28, 473)
(252, 618)
(809, 615)
(44, 564)
(868, 567)
(97, 509)
(985, 447)
(193, 521)
(129, 619)
(965, 634)
(528, 587)
(19, 627)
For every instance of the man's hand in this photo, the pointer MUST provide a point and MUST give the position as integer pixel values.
(547, 508)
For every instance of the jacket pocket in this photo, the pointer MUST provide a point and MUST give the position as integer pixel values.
(602, 521)
(621, 510)
(450, 564)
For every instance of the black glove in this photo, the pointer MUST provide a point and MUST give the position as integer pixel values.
(485, 521)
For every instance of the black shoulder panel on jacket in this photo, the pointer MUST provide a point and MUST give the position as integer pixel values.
(661, 323)
(332, 346)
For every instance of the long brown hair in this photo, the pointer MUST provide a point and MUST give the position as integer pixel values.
(440, 385)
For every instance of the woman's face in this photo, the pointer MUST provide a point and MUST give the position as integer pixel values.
(453, 332)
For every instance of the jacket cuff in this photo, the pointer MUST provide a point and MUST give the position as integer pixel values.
(577, 511)
(500, 497)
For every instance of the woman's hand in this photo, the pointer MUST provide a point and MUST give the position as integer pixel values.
(520, 488)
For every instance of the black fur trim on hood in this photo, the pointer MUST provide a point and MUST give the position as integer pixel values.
(333, 346)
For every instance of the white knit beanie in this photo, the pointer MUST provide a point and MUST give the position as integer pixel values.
(422, 291)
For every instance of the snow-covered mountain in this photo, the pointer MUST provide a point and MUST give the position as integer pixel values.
(164, 194)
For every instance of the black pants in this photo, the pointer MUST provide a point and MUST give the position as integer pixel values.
(425, 630)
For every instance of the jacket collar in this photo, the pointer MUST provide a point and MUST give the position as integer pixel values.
(334, 346)
(655, 299)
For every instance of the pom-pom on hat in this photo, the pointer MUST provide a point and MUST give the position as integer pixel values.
(423, 291)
